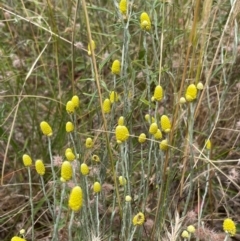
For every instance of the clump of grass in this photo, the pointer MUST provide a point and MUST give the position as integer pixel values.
(130, 113)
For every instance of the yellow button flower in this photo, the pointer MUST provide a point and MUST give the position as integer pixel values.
(75, 100)
(158, 93)
(40, 168)
(95, 158)
(158, 135)
(69, 126)
(153, 128)
(208, 144)
(116, 67)
(121, 133)
(106, 106)
(15, 238)
(145, 21)
(185, 234)
(142, 138)
(93, 47)
(89, 143)
(121, 121)
(70, 155)
(122, 181)
(27, 160)
(200, 86)
(163, 145)
(165, 124)
(70, 107)
(75, 200)
(191, 229)
(97, 187)
(229, 226)
(191, 93)
(46, 128)
(66, 171)
(138, 219)
(84, 169)
(123, 7)
(113, 97)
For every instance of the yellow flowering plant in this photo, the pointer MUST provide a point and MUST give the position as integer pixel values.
(75, 200)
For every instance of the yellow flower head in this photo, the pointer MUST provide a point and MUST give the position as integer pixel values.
(185, 234)
(145, 21)
(75, 200)
(66, 170)
(165, 124)
(123, 7)
(40, 168)
(15, 238)
(84, 169)
(142, 138)
(122, 181)
(46, 128)
(200, 86)
(153, 128)
(182, 100)
(191, 93)
(138, 219)
(97, 187)
(121, 121)
(128, 198)
(158, 93)
(208, 144)
(95, 158)
(69, 126)
(121, 133)
(113, 97)
(147, 118)
(158, 135)
(163, 145)
(69, 155)
(106, 106)
(93, 45)
(116, 67)
(75, 100)
(191, 229)
(27, 160)
(70, 107)
(89, 143)
(229, 226)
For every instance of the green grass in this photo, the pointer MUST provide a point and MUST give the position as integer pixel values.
(45, 62)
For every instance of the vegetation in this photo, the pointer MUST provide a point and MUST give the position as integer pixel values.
(119, 120)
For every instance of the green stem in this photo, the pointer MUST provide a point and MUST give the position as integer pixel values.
(31, 200)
